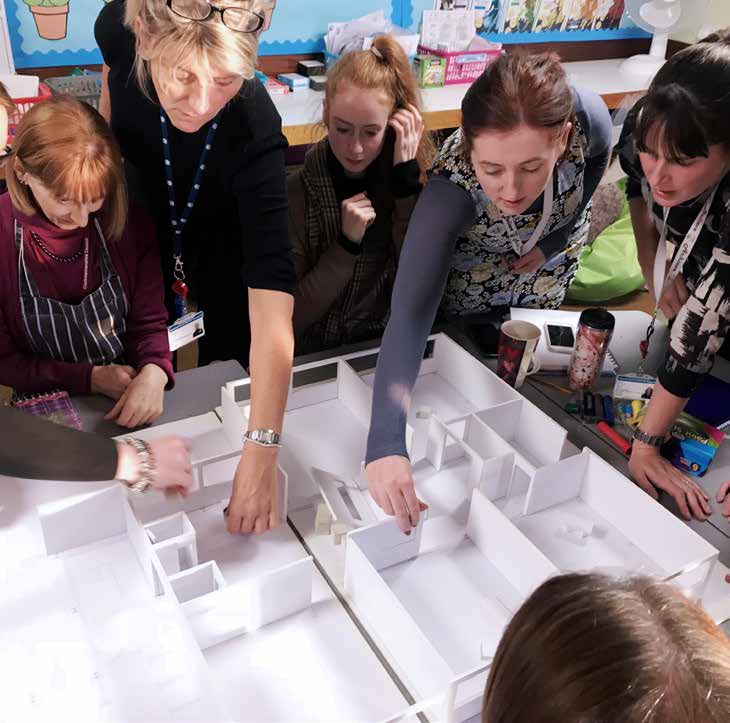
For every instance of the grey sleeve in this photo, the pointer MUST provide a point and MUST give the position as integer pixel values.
(36, 449)
(598, 127)
(443, 212)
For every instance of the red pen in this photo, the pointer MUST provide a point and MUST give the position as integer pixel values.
(618, 440)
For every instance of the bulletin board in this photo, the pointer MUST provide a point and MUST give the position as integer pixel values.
(61, 32)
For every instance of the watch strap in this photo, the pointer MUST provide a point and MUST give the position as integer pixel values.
(644, 438)
(263, 437)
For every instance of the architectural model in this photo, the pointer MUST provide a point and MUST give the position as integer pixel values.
(510, 503)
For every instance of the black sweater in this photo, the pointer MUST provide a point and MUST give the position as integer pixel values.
(33, 448)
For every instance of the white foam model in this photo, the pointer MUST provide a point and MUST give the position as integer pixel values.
(82, 520)
(585, 515)
(346, 503)
(438, 603)
(216, 451)
(506, 510)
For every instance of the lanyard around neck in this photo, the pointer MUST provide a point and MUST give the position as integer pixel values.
(548, 197)
(178, 221)
(662, 277)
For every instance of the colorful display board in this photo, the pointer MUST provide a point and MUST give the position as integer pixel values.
(61, 32)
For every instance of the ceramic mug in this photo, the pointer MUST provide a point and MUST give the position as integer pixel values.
(516, 357)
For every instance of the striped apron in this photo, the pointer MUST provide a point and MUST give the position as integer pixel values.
(89, 332)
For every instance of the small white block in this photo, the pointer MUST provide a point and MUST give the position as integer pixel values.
(339, 532)
(577, 522)
(323, 520)
(424, 413)
(571, 534)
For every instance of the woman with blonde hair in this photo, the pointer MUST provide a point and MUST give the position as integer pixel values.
(350, 204)
(204, 152)
(80, 284)
(587, 648)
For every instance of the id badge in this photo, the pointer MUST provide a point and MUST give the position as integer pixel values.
(186, 329)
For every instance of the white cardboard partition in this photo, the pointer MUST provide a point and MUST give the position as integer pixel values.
(346, 502)
(82, 519)
(590, 506)
(440, 611)
(530, 431)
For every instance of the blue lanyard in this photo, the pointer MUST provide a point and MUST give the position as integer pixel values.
(178, 222)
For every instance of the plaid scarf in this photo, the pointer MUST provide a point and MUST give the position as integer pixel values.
(362, 309)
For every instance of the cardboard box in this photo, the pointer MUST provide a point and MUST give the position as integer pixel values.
(430, 71)
(309, 68)
(293, 80)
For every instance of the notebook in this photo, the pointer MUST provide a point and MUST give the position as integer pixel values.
(55, 407)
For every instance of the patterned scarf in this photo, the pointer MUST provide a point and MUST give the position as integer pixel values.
(361, 311)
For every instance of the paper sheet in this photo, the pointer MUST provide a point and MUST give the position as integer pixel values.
(455, 27)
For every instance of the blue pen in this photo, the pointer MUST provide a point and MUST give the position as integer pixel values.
(608, 409)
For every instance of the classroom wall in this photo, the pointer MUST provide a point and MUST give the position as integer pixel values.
(717, 15)
(298, 26)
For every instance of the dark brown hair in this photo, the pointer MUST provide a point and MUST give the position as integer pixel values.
(689, 99)
(594, 649)
(515, 89)
(388, 70)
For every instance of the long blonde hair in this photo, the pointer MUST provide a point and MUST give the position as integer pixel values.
(171, 40)
(71, 150)
(387, 70)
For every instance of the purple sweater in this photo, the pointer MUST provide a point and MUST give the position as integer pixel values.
(136, 259)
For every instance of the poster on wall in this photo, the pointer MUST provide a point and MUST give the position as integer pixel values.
(551, 15)
(546, 20)
(61, 32)
(609, 14)
(53, 32)
(488, 15)
(581, 15)
(520, 16)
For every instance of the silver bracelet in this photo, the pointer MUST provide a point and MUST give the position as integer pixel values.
(263, 437)
(146, 465)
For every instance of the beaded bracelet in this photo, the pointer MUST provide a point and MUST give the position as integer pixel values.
(146, 465)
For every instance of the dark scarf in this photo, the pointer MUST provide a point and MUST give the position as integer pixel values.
(361, 311)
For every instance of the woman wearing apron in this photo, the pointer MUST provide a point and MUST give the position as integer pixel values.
(501, 223)
(80, 285)
(675, 149)
(204, 153)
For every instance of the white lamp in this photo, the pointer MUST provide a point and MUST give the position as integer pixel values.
(659, 17)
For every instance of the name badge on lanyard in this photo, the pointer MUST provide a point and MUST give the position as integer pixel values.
(662, 277)
(521, 249)
(178, 221)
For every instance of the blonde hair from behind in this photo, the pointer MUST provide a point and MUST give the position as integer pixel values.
(588, 648)
(165, 38)
(6, 101)
(386, 70)
(70, 149)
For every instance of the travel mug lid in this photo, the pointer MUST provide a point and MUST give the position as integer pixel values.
(598, 319)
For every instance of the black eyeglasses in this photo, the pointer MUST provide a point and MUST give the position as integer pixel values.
(234, 18)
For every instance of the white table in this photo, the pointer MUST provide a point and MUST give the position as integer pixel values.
(301, 111)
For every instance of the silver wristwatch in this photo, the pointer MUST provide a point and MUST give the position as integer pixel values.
(146, 465)
(263, 437)
(644, 438)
